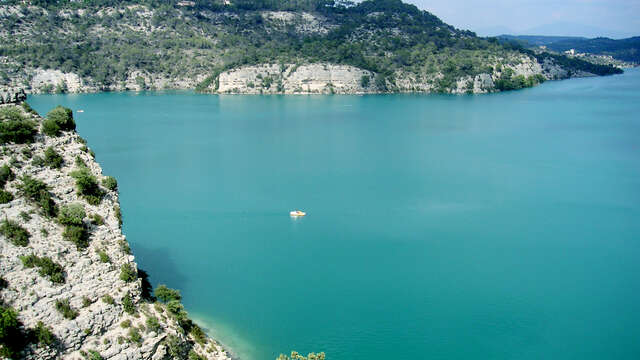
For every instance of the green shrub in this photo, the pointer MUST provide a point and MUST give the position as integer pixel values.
(96, 219)
(116, 209)
(124, 247)
(43, 334)
(50, 128)
(47, 267)
(94, 355)
(80, 163)
(134, 336)
(103, 256)
(58, 119)
(15, 233)
(127, 273)
(77, 235)
(37, 161)
(6, 175)
(125, 324)
(65, 309)
(128, 305)
(110, 183)
(52, 158)
(11, 336)
(194, 355)
(87, 186)
(26, 152)
(175, 307)
(365, 81)
(198, 335)
(153, 325)
(14, 127)
(38, 192)
(86, 301)
(25, 216)
(5, 197)
(165, 294)
(108, 299)
(71, 214)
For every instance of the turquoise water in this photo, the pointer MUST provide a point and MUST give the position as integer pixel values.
(503, 226)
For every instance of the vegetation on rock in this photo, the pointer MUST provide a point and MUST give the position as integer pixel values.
(15, 233)
(47, 267)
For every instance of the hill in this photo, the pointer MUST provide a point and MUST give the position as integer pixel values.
(257, 46)
(69, 285)
(624, 49)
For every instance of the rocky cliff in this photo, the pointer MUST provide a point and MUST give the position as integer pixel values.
(326, 78)
(68, 278)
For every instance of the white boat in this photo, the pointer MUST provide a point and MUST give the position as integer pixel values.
(296, 213)
(80, 111)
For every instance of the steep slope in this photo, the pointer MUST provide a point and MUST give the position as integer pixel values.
(54, 46)
(70, 287)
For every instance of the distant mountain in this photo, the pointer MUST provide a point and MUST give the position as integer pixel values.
(540, 40)
(624, 49)
(575, 30)
(494, 31)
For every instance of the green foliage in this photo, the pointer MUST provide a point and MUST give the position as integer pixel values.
(6, 175)
(96, 219)
(508, 81)
(165, 294)
(153, 325)
(194, 355)
(125, 324)
(198, 335)
(118, 213)
(134, 336)
(87, 185)
(58, 119)
(104, 258)
(77, 235)
(11, 336)
(38, 192)
(52, 158)
(128, 305)
(94, 355)
(5, 197)
(64, 308)
(15, 233)
(47, 267)
(71, 214)
(15, 127)
(43, 334)
(108, 299)
(365, 81)
(110, 183)
(127, 273)
(25, 216)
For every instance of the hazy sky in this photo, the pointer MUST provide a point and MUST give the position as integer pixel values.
(616, 17)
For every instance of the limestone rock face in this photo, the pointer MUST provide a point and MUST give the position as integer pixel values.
(43, 79)
(12, 95)
(92, 276)
(290, 79)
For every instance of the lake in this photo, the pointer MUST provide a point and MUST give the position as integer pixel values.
(502, 226)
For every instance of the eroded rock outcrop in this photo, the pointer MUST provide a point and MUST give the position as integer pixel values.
(94, 303)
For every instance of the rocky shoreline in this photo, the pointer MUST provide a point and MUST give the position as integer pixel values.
(311, 78)
(66, 268)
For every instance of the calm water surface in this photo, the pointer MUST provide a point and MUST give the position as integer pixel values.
(503, 226)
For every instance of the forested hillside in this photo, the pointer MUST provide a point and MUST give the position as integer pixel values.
(112, 44)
